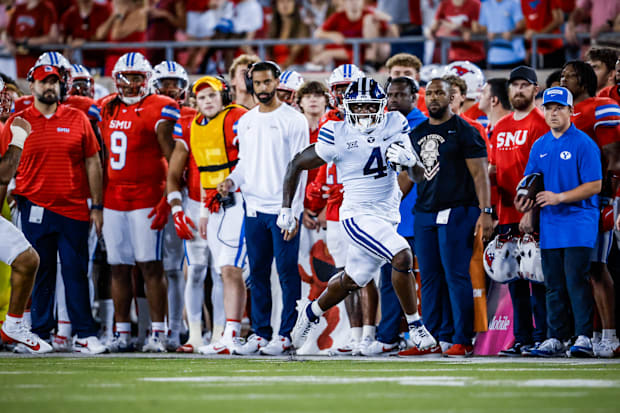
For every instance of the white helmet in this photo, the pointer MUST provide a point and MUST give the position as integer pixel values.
(132, 63)
(471, 74)
(290, 81)
(169, 69)
(530, 267)
(430, 72)
(53, 59)
(342, 75)
(500, 258)
(81, 81)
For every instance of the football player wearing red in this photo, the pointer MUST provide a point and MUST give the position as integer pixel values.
(17, 252)
(513, 137)
(603, 61)
(599, 118)
(170, 79)
(207, 144)
(613, 91)
(137, 131)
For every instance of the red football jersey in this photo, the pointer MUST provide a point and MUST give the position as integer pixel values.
(511, 143)
(135, 167)
(612, 92)
(599, 118)
(182, 134)
(333, 114)
(476, 114)
(538, 15)
(82, 103)
(421, 104)
(52, 170)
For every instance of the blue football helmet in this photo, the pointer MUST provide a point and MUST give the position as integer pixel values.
(364, 104)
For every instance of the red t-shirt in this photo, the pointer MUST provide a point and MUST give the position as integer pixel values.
(599, 118)
(612, 92)
(537, 15)
(197, 5)
(24, 24)
(76, 26)
(510, 151)
(135, 168)
(463, 15)
(339, 22)
(82, 103)
(421, 104)
(52, 171)
(476, 114)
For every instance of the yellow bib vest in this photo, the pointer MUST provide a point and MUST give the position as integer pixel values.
(208, 143)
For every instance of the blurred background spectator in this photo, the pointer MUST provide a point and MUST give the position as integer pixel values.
(33, 23)
(500, 20)
(407, 18)
(80, 23)
(286, 23)
(127, 23)
(314, 12)
(455, 18)
(165, 17)
(544, 16)
(600, 15)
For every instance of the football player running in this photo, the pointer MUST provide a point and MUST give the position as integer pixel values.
(137, 131)
(369, 213)
(170, 79)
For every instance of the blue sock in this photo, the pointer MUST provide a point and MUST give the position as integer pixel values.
(310, 314)
(417, 323)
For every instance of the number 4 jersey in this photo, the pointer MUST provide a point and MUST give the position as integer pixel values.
(370, 186)
(135, 166)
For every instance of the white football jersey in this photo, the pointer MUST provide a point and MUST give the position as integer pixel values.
(370, 185)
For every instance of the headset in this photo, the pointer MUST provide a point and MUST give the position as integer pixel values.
(413, 84)
(273, 66)
(226, 94)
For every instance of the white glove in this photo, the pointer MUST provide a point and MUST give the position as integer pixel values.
(399, 155)
(286, 220)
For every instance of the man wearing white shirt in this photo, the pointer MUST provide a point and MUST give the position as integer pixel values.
(269, 137)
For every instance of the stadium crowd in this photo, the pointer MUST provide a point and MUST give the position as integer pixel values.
(149, 219)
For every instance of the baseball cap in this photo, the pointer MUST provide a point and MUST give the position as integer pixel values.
(523, 72)
(208, 81)
(559, 95)
(43, 71)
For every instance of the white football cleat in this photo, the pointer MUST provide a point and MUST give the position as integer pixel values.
(278, 346)
(345, 350)
(605, 348)
(303, 326)
(221, 347)
(420, 336)
(62, 344)
(378, 348)
(89, 345)
(251, 346)
(26, 339)
(155, 344)
(362, 345)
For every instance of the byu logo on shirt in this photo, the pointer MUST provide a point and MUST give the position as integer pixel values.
(566, 155)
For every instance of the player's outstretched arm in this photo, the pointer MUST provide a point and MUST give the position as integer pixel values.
(306, 159)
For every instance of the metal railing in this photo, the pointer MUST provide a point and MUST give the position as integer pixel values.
(263, 44)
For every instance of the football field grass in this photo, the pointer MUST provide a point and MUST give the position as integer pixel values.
(190, 384)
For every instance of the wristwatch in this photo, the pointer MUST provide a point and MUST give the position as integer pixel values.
(487, 210)
(98, 207)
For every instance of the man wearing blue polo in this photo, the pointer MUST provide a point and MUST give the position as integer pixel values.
(571, 166)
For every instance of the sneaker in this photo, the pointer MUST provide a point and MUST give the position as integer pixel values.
(605, 348)
(277, 346)
(513, 351)
(420, 336)
(526, 350)
(221, 347)
(303, 326)
(428, 353)
(581, 348)
(173, 342)
(459, 350)
(378, 348)
(551, 347)
(345, 350)
(30, 342)
(445, 346)
(89, 345)
(154, 344)
(362, 345)
(189, 347)
(251, 346)
(120, 345)
(62, 344)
